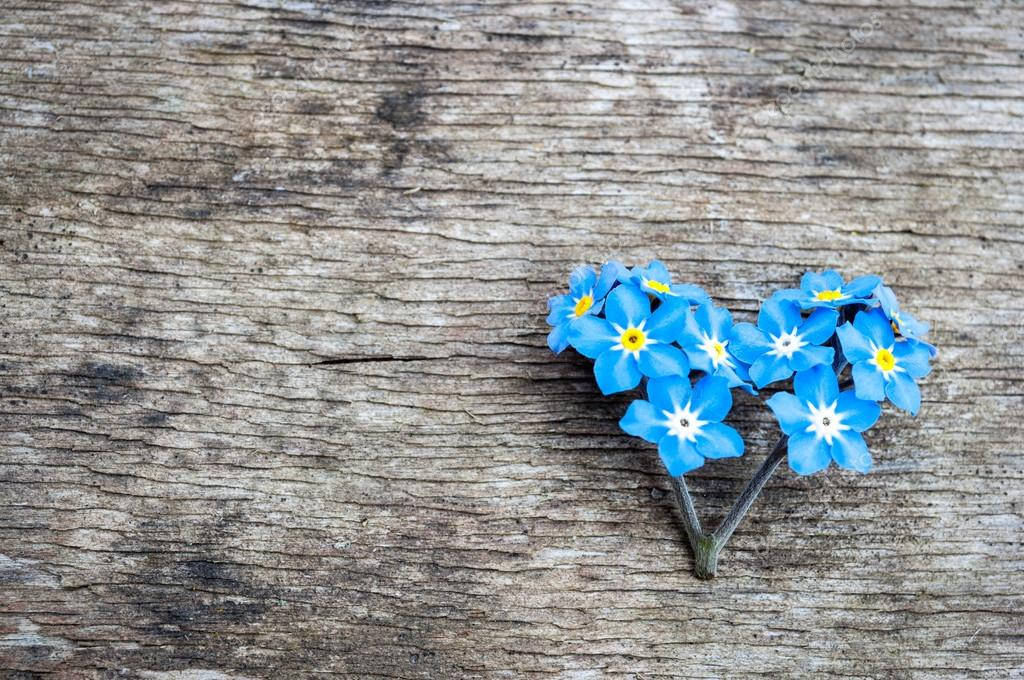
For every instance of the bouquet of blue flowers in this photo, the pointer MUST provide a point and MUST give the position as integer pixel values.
(845, 347)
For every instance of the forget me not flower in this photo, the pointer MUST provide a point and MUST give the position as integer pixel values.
(783, 341)
(685, 423)
(655, 279)
(828, 290)
(630, 342)
(824, 425)
(705, 339)
(586, 296)
(882, 366)
(903, 323)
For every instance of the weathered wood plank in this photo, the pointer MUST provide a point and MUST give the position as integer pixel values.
(275, 396)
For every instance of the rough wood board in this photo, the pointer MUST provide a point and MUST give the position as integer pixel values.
(275, 395)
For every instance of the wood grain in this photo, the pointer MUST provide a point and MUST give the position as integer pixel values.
(275, 395)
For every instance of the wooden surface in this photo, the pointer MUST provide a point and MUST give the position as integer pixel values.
(275, 396)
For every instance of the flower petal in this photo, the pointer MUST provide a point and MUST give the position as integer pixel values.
(721, 320)
(808, 454)
(657, 271)
(747, 342)
(904, 392)
(591, 336)
(736, 377)
(657, 361)
(789, 411)
(679, 455)
(778, 316)
(715, 321)
(886, 299)
(558, 338)
(669, 393)
(932, 350)
(814, 283)
(643, 420)
(719, 441)
(768, 369)
(812, 355)
(691, 334)
(699, 359)
(616, 371)
(630, 275)
(610, 273)
(795, 295)
(868, 381)
(693, 294)
(862, 286)
(850, 451)
(560, 307)
(668, 321)
(913, 358)
(875, 327)
(817, 385)
(627, 306)
(819, 326)
(855, 344)
(711, 398)
(911, 327)
(702, 315)
(859, 414)
(582, 280)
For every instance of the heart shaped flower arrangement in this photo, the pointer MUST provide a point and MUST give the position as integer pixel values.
(841, 347)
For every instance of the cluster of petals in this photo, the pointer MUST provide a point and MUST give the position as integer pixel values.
(638, 325)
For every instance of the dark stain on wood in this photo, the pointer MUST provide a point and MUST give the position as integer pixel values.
(402, 109)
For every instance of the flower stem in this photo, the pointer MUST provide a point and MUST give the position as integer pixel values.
(690, 520)
(707, 546)
(750, 494)
(705, 557)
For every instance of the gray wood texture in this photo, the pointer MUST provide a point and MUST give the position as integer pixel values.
(274, 395)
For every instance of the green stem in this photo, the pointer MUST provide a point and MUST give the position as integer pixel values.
(707, 546)
(705, 557)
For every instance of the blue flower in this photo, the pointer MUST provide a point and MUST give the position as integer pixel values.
(685, 424)
(783, 341)
(705, 339)
(655, 279)
(630, 342)
(902, 322)
(824, 425)
(586, 296)
(882, 366)
(828, 290)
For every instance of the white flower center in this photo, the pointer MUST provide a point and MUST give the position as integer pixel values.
(825, 422)
(786, 345)
(715, 349)
(684, 423)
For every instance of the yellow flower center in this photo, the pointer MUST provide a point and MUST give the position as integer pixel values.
(583, 304)
(658, 286)
(719, 350)
(885, 360)
(829, 295)
(633, 339)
